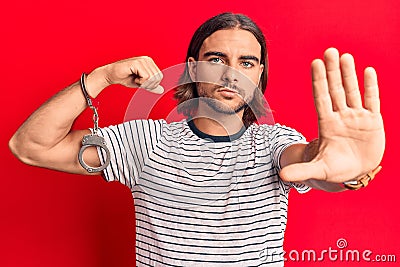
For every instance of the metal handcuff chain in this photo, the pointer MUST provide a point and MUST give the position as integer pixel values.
(93, 139)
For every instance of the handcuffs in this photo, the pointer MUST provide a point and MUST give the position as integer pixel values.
(92, 139)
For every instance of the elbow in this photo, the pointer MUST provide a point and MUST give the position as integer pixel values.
(20, 149)
(12, 145)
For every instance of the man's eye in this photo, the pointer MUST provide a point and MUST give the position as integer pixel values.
(216, 60)
(247, 64)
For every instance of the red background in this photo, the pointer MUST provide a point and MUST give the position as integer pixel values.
(55, 219)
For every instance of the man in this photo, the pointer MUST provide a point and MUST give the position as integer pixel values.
(213, 189)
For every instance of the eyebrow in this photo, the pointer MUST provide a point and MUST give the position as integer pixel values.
(220, 54)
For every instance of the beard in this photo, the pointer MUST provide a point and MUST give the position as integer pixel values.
(219, 106)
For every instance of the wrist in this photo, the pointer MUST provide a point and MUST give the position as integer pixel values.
(363, 181)
(96, 82)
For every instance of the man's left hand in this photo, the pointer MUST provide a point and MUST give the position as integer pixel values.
(351, 135)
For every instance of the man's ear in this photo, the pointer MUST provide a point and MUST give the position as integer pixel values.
(261, 72)
(192, 68)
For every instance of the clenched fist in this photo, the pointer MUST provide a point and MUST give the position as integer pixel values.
(136, 72)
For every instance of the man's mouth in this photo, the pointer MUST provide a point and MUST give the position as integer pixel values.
(228, 92)
(226, 89)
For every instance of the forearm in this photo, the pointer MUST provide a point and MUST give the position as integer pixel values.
(52, 122)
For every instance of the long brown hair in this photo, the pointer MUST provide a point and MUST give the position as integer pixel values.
(187, 89)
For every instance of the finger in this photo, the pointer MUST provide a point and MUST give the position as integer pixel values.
(155, 74)
(350, 82)
(322, 99)
(334, 76)
(303, 171)
(152, 76)
(138, 75)
(144, 73)
(371, 94)
(156, 77)
(152, 83)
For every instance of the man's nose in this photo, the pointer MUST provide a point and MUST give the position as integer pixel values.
(230, 75)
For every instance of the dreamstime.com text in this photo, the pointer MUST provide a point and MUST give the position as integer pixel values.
(340, 253)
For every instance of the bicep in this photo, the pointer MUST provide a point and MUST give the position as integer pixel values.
(64, 155)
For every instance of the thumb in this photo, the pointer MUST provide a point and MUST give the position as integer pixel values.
(303, 171)
(157, 90)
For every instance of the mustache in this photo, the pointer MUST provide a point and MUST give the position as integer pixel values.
(230, 86)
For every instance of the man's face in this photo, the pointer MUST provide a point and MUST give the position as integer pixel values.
(228, 70)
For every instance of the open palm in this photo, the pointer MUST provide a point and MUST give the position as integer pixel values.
(351, 136)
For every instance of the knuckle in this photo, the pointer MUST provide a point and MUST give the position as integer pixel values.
(146, 58)
(145, 76)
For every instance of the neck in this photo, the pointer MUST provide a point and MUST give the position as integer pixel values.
(216, 123)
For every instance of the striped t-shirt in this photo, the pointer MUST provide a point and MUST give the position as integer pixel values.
(203, 200)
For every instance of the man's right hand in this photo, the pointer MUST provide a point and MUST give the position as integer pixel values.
(136, 72)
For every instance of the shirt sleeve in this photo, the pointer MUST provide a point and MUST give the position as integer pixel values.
(280, 138)
(130, 145)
